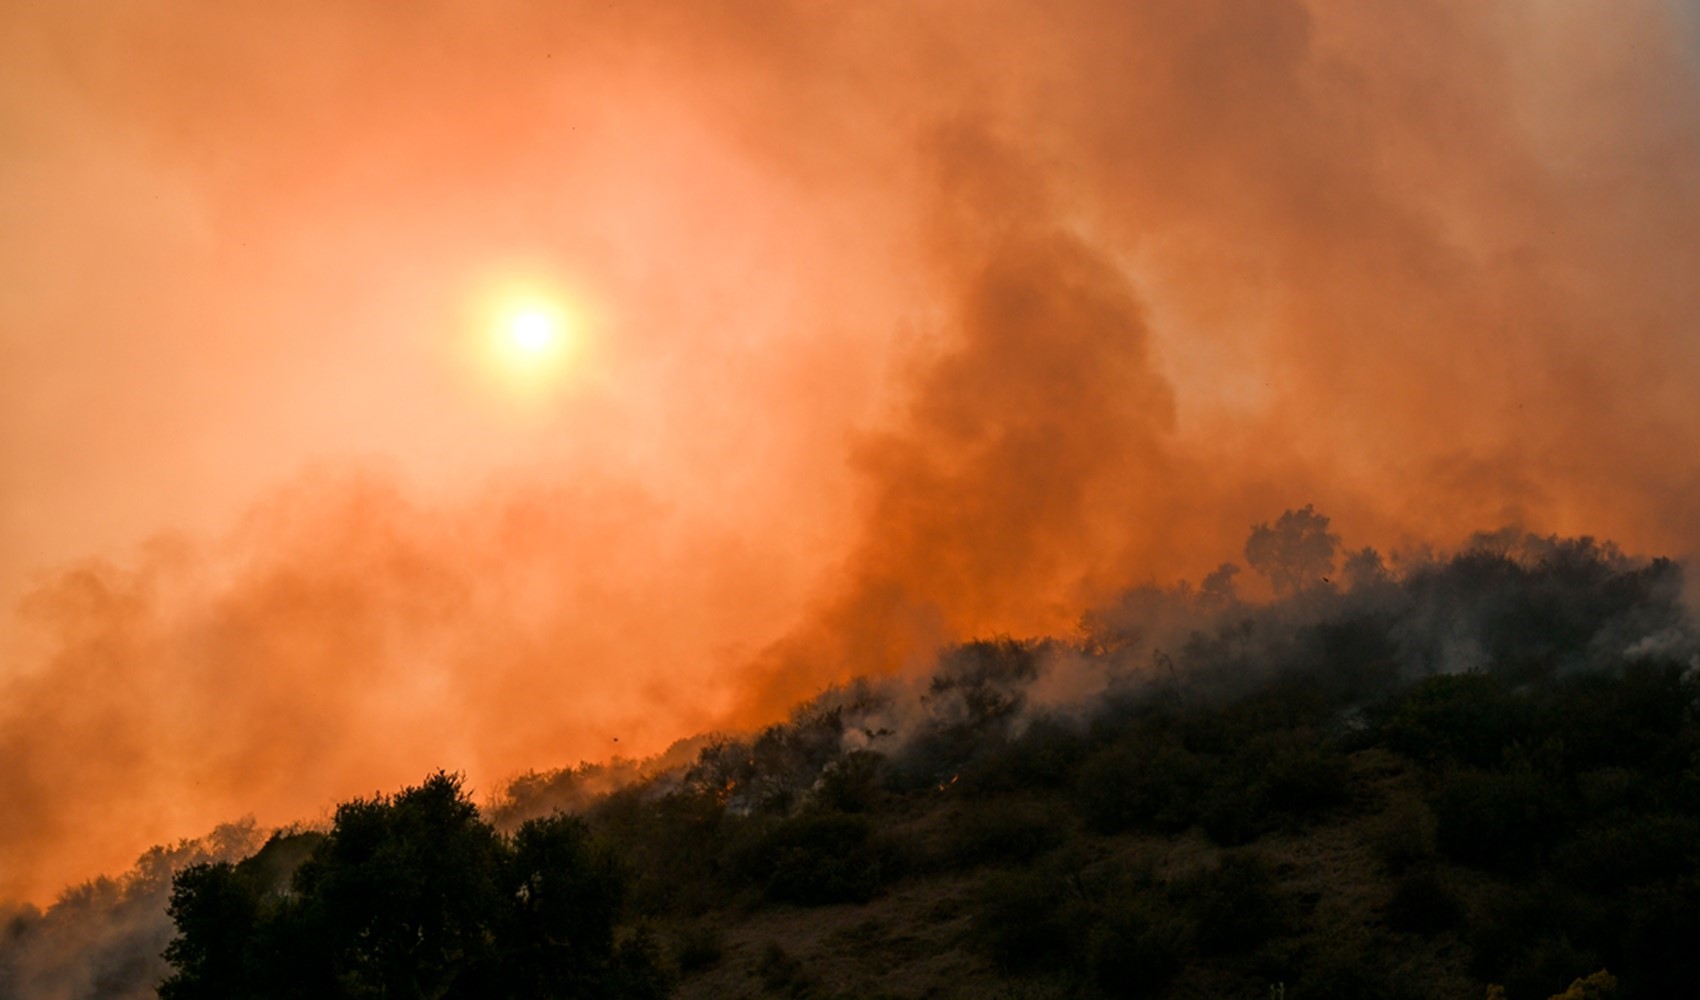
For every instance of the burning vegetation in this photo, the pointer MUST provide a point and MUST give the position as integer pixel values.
(1411, 776)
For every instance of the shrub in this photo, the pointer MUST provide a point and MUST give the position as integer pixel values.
(1632, 851)
(1045, 755)
(1002, 832)
(1123, 787)
(1633, 717)
(1498, 819)
(782, 973)
(1534, 938)
(1352, 965)
(1018, 921)
(1297, 773)
(1232, 815)
(1404, 834)
(1423, 903)
(1237, 906)
(1657, 939)
(851, 784)
(1602, 985)
(1133, 949)
(1542, 967)
(698, 946)
(1453, 718)
(815, 859)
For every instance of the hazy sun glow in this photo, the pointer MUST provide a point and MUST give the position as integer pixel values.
(528, 339)
(532, 331)
(468, 386)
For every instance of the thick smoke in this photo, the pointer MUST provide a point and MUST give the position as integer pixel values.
(1033, 445)
(923, 322)
(1528, 611)
(343, 636)
(103, 938)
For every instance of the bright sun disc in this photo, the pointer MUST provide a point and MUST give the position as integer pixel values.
(527, 339)
(532, 330)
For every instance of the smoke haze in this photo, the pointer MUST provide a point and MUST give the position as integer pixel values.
(899, 324)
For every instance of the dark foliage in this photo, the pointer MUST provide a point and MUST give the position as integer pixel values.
(1503, 820)
(1021, 921)
(1510, 732)
(1134, 949)
(412, 896)
(1152, 782)
(816, 858)
(1423, 903)
(972, 703)
(1236, 907)
(1467, 719)
(1351, 963)
(1001, 832)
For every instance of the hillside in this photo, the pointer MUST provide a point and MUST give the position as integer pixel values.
(1434, 779)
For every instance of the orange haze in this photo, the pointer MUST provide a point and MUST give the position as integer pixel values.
(902, 321)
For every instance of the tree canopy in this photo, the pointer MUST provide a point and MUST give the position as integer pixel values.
(411, 896)
(1297, 554)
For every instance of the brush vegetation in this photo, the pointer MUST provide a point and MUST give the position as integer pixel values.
(1476, 776)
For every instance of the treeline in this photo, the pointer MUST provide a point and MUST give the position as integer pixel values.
(1532, 702)
(1475, 775)
(411, 896)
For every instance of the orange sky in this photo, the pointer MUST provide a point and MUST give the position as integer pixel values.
(892, 322)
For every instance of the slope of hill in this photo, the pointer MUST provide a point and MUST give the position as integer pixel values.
(1459, 777)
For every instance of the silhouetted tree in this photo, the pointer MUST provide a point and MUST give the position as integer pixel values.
(216, 911)
(413, 896)
(1297, 554)
(1217, 590)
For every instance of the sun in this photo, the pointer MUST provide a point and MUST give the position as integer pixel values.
(532, 331)
(527, 338)
(531, 340)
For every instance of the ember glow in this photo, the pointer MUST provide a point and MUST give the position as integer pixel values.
(389, 387)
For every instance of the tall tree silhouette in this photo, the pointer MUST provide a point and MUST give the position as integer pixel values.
(1297, 554)
(413, 896)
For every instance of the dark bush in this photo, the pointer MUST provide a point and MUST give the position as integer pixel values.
(1403, 834)
(1423, 903)
(1502, 820)
(1156, 784)
(973, 702)
(781, 973)
(1046, 753)
(1236, 906)
(1232, 816)
(1352, 964)
(1453, 718)
(698, 946)
(1545, 966)
(815, 859)
(1656, 951)
(218, 913)
(852, 783)
(1133, 949)
(1535, 938)
(1018, 921)
(1297, 773)
(1631, 717)
(1632, 851)
(673, 844)
(1001, 832)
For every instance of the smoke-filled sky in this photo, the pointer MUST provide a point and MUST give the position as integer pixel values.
(871, 325)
